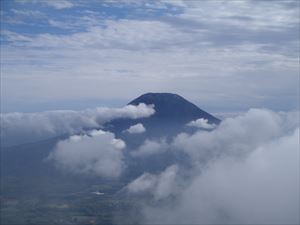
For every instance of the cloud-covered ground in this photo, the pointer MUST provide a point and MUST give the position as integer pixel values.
(17, 128)
(244, 171)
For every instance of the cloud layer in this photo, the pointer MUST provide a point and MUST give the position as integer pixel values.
(246, 171)
(262, 189)
(19, 128)
(136, 47)
(235, 136)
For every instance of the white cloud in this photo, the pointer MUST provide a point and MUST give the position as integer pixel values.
(201, 123)
(159, 186)
(19, 128)
(112, 34)
(262, 189)
(97, 153)
(246, 171)
(106, 54)
(59, 4)
(224, 115)
(236, 136)
(28, 13)
(136, 129)
(142, 184)
(151, 147)
(237, 14)
(59, 24)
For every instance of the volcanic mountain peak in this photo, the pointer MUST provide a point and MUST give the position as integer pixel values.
(168, 105)
(155, 97)
(172, 114)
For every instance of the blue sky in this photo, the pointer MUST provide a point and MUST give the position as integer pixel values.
(222, 55)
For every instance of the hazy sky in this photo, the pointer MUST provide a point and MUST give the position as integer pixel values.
(221, 55)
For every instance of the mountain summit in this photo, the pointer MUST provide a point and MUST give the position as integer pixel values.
(172, 113)
(172, 106)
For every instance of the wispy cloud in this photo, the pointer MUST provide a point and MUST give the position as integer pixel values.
(60, 4)
(31, 13)
(105, 46)
(57, 4)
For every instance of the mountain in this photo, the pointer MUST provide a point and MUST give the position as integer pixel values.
(172, 113)
(173, 107)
